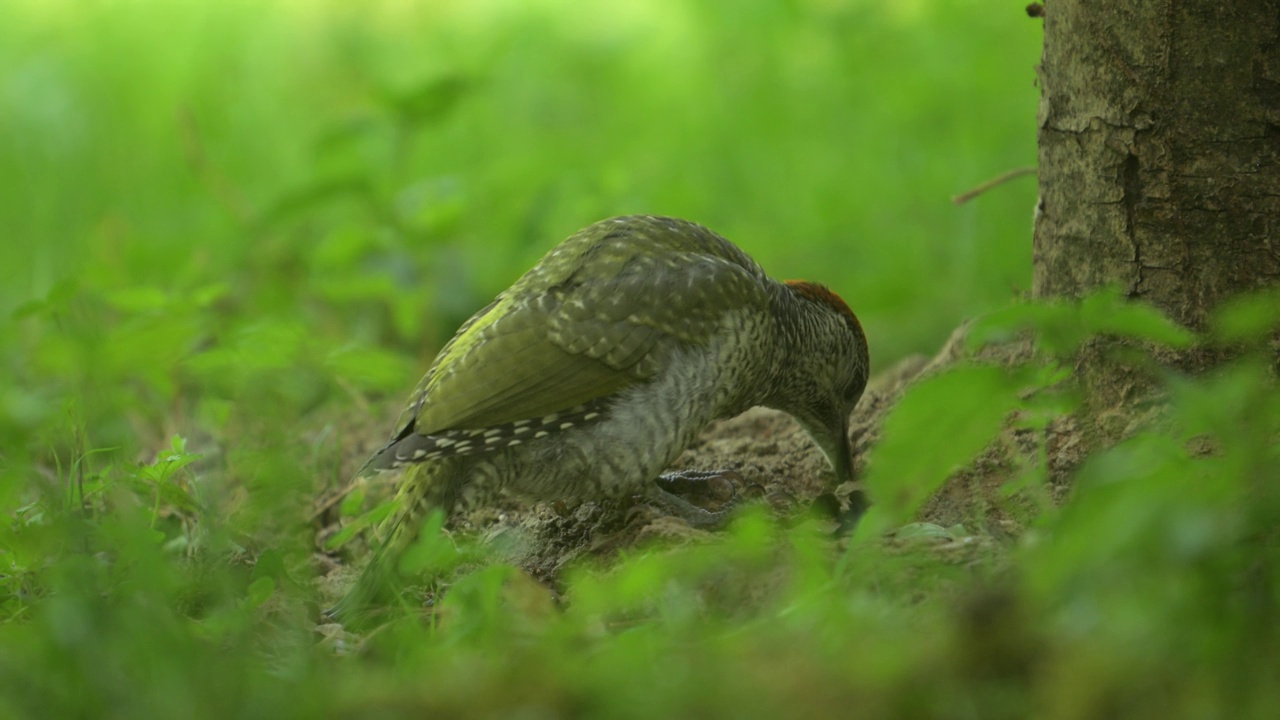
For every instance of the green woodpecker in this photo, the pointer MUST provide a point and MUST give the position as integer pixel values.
(587, 377)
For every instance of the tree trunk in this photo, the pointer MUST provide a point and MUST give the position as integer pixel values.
(1159, 150)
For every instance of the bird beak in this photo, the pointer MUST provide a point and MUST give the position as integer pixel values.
(833, 438)
(841, 454)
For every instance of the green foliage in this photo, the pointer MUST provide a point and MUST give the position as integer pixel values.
(1061, 327)
(228, 224)
(954, 415)
(1163, 567)
(1248, 318)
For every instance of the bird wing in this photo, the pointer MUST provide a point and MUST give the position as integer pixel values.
(581, 326)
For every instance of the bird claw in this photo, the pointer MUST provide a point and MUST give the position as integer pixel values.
(687, 493)
(702, 487)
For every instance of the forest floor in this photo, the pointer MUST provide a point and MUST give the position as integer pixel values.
(772, 461)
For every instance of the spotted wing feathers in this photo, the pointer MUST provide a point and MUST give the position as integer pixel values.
(597, 315)
(411, 447)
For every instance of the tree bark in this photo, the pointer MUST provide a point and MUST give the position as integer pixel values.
(1159, 151)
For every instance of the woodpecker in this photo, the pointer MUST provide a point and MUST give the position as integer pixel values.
(600, 365)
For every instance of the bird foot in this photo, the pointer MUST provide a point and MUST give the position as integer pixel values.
(704, 488)
(690, 495)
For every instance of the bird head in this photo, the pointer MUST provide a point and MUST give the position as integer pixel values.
(825, 369)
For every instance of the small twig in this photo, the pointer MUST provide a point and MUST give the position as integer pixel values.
(968, 195)
(323, 505)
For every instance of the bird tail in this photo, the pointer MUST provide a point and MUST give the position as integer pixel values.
(423, 487)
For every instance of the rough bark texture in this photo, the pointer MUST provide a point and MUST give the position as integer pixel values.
(1159, 150)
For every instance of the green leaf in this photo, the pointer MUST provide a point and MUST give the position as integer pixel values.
(476, 601)
(371, 518)
(1061, 327)
(270, 564)
(430, 101)
(55, 301)
(260, 591)
(938, 427)
(353, 503)
(1106, 312)
(432, 551)
(139, 299)
(1248, 317)
(343, 536)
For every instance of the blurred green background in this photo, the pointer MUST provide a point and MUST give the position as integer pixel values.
(233, 233)
(251, 224)
(371, 173)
